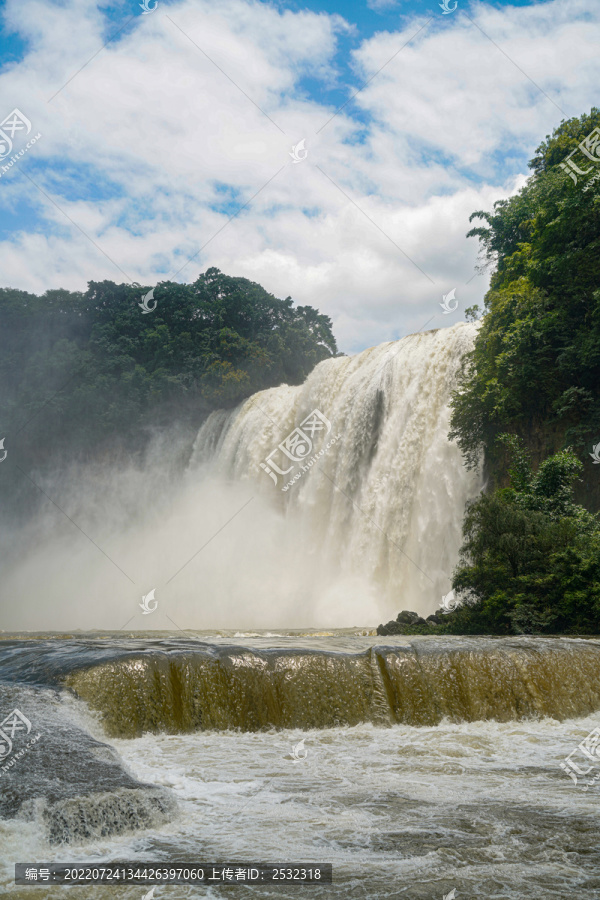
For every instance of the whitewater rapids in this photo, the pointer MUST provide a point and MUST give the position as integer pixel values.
(431, 764)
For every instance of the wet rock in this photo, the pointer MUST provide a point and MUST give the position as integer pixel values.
(392, 628)
(54, 771)
(403, 623)
(406, 617)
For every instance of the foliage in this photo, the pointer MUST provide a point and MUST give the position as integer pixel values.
(530, 562)
(82, 371)
(535, 365)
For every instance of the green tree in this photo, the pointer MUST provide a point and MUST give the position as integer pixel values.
(535, 366)
(530, 562)
(83, 372)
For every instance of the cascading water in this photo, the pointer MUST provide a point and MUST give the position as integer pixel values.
(376, 505)
(418, 682)
(371, 527)
(430, 763)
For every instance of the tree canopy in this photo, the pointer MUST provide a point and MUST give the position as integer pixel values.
(530, 562)
(535, 367)
(98, 368)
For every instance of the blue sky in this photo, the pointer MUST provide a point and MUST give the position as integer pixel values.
(176, 141)
(365, 19)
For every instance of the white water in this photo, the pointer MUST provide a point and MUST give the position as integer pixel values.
(379, 514)
(373, 527)
(400, 812)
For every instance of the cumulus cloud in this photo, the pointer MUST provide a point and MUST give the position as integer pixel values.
(191, 112)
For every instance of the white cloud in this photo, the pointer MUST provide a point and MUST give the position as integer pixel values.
(163, 136)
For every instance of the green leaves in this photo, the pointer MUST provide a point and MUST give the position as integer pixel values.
(205, 345)
(535, 368)
(530, 561)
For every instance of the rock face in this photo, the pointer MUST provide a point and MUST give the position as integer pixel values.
(402, 624)
(54, 771)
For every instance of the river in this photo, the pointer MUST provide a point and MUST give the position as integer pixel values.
(415, 766)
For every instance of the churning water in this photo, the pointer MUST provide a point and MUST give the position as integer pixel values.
(431, 764)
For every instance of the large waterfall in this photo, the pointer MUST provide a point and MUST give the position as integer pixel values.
(419, 767)
(373, 493)
(365, 522)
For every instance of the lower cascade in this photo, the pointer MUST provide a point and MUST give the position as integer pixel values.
(358, 464)
(420, 683)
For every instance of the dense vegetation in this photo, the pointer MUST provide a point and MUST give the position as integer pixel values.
(531, 557)
(535, 367)
(530, 562)
(529, 393)
(84, 371)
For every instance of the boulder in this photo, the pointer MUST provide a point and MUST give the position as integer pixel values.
(406, 617)
(76, 786)
(404, 620)
(391, 628)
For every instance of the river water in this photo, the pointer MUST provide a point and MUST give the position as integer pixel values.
(427, 764)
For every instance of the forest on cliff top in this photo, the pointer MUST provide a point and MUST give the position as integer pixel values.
(529, 398)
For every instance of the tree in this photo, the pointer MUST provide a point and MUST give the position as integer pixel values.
(91, 371)
(535, 366)
(530, 562)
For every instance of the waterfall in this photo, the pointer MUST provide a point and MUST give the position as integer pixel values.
(419, 682)
(365, 522)
(374, 493)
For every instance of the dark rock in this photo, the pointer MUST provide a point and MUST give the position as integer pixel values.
(54, 770)
(435, 619)
(405, 620)
(391, 628)
(394, 628)
(406, 617)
